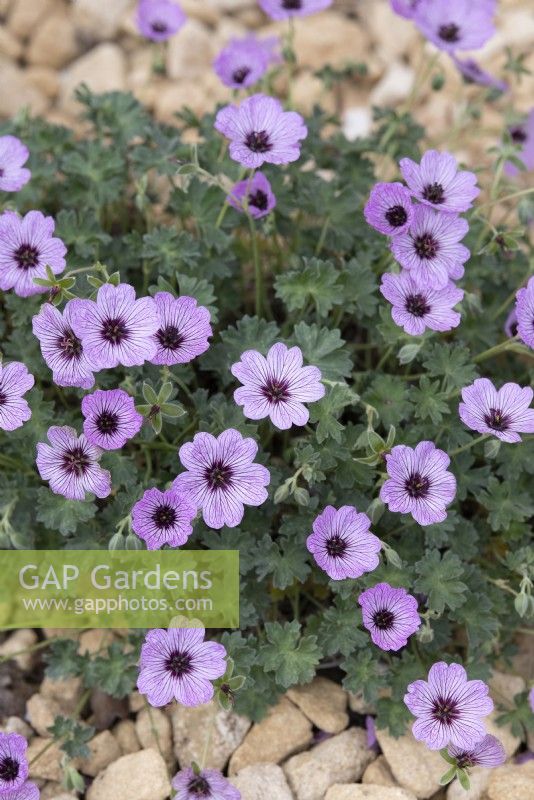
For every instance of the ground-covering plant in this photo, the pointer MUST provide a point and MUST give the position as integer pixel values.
(245, 332)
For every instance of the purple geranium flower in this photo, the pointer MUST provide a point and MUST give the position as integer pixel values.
(456, 24)
(431, 248)
(159, 19)
(27, 247)
(61, 348)
(70, 464)
(522, 135)
(284, 9)
(473, 73)
(15, 381)
(117, 328)
(505, 412)
(370, 729)
(13, 764)
(222, 477)
(342, 544)
(524, 309)
(489, 752)
(277, 386)
(389, 208)
(510, 325)
(418, 482)
(437, 182)
(448, 707)
(183, 329)
(13, 154)
(28, 791)
(416, 308)
(178, 664)
(258, 194)
(405, 8)
(531, 699)
(110, 418)
(390, 615)
(163, 518)
(243, 62)
(207, 783)
(261, 131)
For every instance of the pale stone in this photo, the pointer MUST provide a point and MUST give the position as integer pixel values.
(307, 91)
(190, 729)
(9, 44)
(394, 87)
(136, 702)
(328, 38)
(413, 765)
(17, 725)
(504, 687)
(323, 702)
(262, 782)
(359, 791)
(153, 729)
(284, 731)
(511, 782)
(208, 11)
(48, 765)
(124, 732)
(55, 791)
(141, 775)
(190, 52)
(99, 19)
(343, 758)
(25, 15)
(41, 712)
(25, 637)
(103, 750)
(379, 773)
(44, 79)
(65, 691)
(359, 705)
(478, 782)
(53, 43)
(509, 741)
(357, 122)
(102, 69)
(173, 97)
(379, 21)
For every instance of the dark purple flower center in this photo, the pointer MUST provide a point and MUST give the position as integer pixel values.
(164, 516)
(445, 710)
(426, 246)
(114, 331)
(417, 486)
(449, 33)
(276, 391)
(27, 256)
(179, 663)
(518, 135)
(259, 200)
(292, 5)
(1, 172)
(9, 769)
(396, 216)
(496, 420)
(75, 461)
(218, 475)
(336, 546)
(383, 619)
(417, 305)
(158, 26)
(70, 345)
(465, 760)
(240, 75)
(3, 398)
(107, 422)
(199, 787)
(258, 142)
(434, 193)
(170, 337)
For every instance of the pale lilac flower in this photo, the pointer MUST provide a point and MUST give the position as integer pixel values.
(27, 247)
(405, 8)
(15, 381)
(489, 752)
(531, 699)
(389, 208)
(70, 464)
(243, 62)
(277, 386)
(13, 154)
(13, 763)
(222, 477)
(449, 707)
(110, 418)
(473, 73)
(390, 615)
(431, 248)
(416, 308)
(183, 329)
(419, 483)
(522, 135)
(342, 543)
(505, 413)
(437, 182)
(117, 328)
(163, 518)
(260, 131)
(258, 194)
(284, 9)
(207, 783)
(510, 326)
(28, 791)
(177, 664)
(524, 309)
(159, 19)
(456, 24)
(370, 729)
(61, 348)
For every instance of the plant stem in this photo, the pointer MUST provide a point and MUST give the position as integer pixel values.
(258, 275)
(322, 237)
(470, 444)
(384, 358)
(499, 348)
